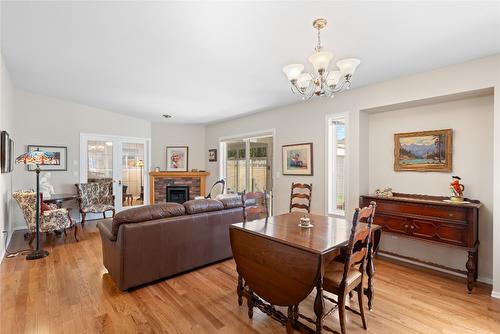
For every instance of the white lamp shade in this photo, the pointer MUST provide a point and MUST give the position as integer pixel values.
(304, 80)
(293, 71)
(320, 60)
(333, 78)
(348, 66)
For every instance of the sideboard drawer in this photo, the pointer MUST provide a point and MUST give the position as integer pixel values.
(448, 212)
(392, 224)
(455, 234)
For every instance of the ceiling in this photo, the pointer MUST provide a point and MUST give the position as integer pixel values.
(207, 61)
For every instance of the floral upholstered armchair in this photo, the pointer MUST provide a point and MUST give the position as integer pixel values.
(95, 197)
(51, 218)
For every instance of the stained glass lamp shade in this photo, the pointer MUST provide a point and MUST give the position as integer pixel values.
(37, 158)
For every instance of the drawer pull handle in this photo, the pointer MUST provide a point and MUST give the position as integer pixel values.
(412, 227)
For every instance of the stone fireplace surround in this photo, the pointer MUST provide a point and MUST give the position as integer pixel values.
(160, 180)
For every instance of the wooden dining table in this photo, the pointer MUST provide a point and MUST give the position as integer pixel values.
(280, 263)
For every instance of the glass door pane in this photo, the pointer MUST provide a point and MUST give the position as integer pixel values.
(132, 157)
(235, 166)
(260, 163)
(99, 161)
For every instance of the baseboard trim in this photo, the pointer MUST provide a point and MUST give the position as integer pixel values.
(456, 273)
(495, 294)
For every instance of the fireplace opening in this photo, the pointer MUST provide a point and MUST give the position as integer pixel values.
(177, 194)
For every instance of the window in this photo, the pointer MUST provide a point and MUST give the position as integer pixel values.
(337, 177)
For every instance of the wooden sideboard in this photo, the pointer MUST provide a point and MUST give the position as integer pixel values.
(431, 218)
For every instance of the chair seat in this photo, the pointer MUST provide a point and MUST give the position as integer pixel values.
(334, 273)
(97, 208)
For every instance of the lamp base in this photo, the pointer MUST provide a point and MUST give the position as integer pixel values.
(37, 254)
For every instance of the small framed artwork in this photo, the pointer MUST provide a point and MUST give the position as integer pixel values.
(424, 151)
(298, 159)
(212, 155)
(60, 156)
(177, 158)
(5, 154)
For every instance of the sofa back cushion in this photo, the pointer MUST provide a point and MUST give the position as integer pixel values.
(230, 202)
(146, 213)
(202, 205)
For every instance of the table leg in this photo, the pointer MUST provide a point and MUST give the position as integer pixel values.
(319, 305)
(239, 290)
(250, 303)
(289, 320)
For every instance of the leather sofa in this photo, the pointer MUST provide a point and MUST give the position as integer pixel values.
(148, 243)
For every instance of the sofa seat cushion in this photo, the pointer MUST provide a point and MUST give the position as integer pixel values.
(202, 205)
(146, 213)
(230, 202)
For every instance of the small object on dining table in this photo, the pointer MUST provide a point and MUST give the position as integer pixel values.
(305, 222)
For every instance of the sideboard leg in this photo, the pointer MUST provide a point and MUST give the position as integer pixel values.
(471, 270)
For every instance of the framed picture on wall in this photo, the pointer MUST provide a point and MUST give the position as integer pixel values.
(60, 156)
(12, 159)
(297, 159)
(424, 151)
(177, 158)
(212, 155)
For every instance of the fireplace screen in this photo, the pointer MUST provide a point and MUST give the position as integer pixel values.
(178, 194)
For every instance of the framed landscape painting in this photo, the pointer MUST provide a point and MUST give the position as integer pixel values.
(298, 159)
(424, 151)
(58, 153)
(177, 158)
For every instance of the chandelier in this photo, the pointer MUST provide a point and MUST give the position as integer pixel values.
(322, 82)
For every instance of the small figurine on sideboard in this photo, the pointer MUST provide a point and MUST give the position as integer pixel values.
(457, 189)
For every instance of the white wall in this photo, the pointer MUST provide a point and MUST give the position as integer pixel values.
(165, 134)
(305, 122)
(6, 123)
(42, 120)
(472, 123)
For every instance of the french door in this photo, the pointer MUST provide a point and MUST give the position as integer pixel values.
(121, 160)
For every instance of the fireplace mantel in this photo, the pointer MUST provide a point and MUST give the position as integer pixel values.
(160, 179)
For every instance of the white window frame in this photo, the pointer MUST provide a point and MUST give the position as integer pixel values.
(331, 145)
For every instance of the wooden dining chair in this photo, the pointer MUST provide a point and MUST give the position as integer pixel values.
(300, 197)
(255, 205)
(342, 277)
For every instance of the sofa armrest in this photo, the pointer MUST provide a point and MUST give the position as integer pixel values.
(104, 227)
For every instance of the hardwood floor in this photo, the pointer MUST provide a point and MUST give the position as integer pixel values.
(70, 292)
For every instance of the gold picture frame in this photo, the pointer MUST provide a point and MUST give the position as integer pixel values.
(424, 151)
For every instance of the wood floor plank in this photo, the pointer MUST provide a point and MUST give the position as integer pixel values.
(71, 292)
